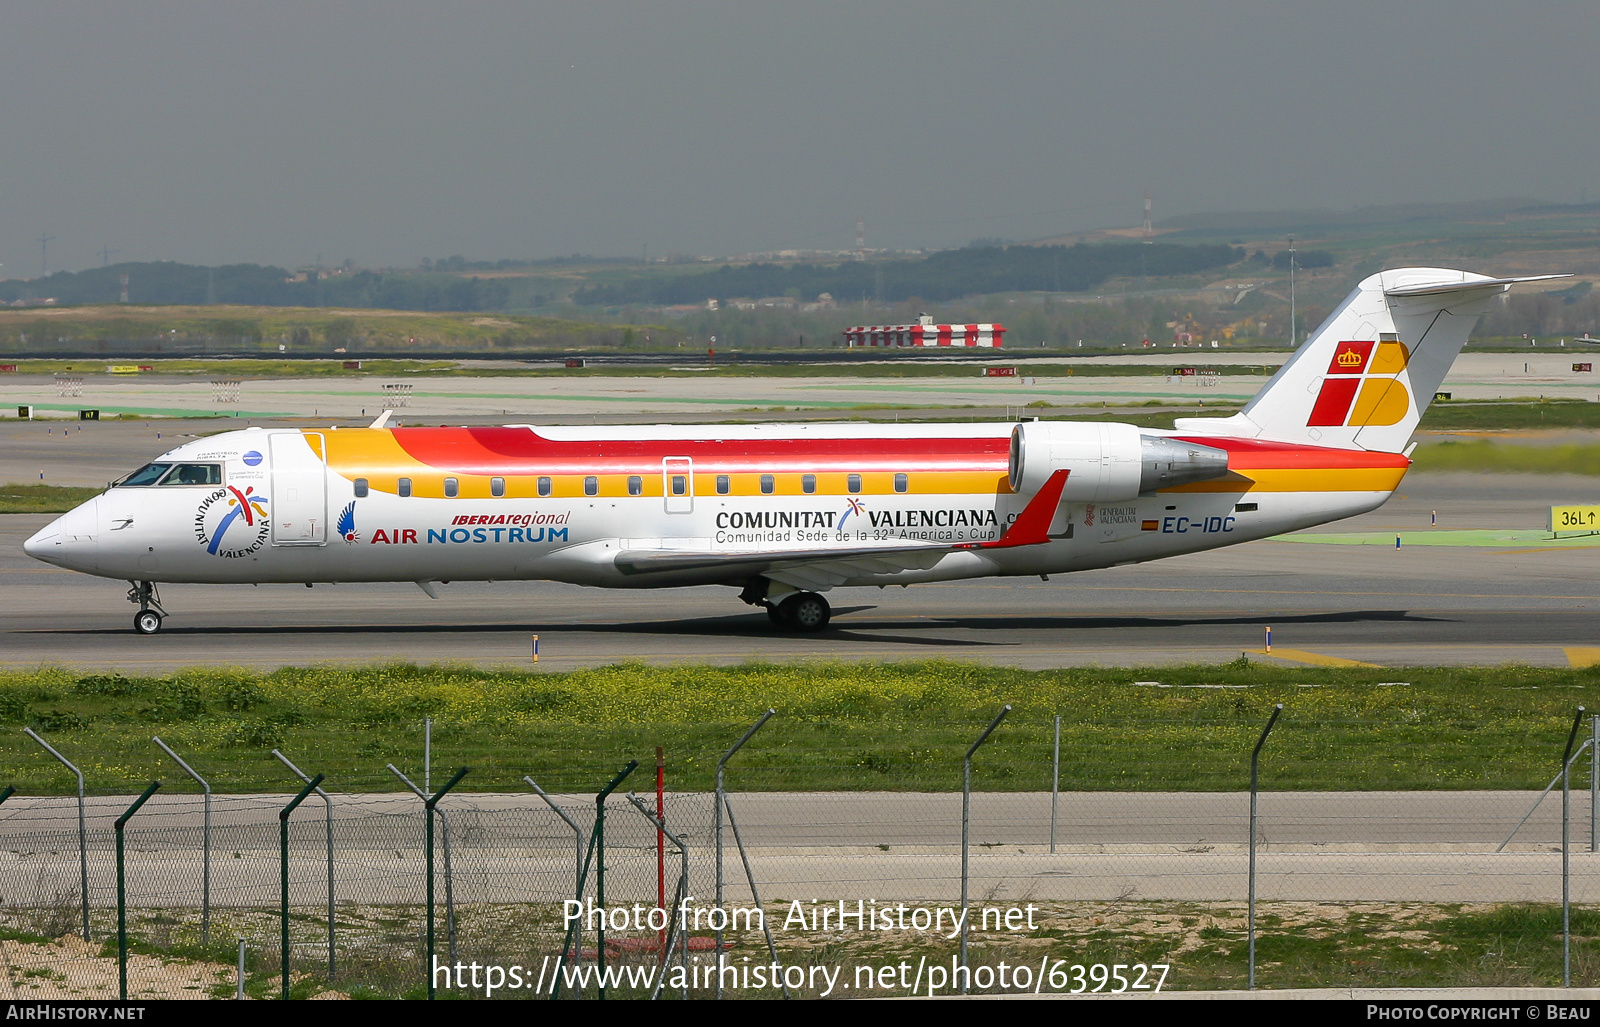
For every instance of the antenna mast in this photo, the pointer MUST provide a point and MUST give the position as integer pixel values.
(1293, 341)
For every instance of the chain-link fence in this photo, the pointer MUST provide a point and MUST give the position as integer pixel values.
(532, 898)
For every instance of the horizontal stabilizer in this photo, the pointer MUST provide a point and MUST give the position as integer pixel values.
(1444, 288)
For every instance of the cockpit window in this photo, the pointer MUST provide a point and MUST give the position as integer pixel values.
(149, 474)
(194, 474)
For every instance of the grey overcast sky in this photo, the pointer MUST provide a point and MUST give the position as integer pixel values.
(217, 131)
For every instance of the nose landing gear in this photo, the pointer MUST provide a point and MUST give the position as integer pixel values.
(148, 620)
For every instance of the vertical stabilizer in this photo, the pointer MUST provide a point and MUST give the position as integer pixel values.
(1363, 379)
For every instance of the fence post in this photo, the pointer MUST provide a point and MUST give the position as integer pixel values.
(1566, 852)
(83, 834)
(721, 794)
(755, 895)
(122, 892)
(283, 868)
(1055, 781)
(428, 807)
(1594, 782)
(661, 835)
(327, 803)
(680, 895)
(577, 832)
(966, 807)
(600, 864)
(449, 885)
(1255, 762)
(205, 886)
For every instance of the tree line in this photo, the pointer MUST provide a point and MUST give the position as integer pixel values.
(170, 283)
(938, 277)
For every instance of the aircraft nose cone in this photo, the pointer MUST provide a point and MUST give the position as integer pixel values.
(42, 541)
(69, 540)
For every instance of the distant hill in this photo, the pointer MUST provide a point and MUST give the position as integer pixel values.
(940, 276)
(168, 283)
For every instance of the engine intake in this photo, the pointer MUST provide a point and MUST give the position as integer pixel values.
(1107, 462)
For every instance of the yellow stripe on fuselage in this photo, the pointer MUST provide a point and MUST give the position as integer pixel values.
(377, 457)
(1302, 479)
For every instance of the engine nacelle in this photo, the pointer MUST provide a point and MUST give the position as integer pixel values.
(1106, 462)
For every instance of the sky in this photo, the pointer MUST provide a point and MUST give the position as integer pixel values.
(384, 132)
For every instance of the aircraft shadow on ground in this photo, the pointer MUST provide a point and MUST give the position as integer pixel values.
(866, 630)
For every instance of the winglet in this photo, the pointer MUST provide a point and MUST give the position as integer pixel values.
(1032, 526)
(381, 420)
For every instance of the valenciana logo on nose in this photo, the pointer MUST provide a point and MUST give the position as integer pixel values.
(231, 523)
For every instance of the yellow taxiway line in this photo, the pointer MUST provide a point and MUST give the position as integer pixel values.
(1319, 660)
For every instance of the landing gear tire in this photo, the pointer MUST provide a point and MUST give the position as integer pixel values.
(143, 595)
(804, 611)
(775, 615)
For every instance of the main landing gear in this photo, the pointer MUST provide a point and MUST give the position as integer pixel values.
(148, 620)
(797, 611)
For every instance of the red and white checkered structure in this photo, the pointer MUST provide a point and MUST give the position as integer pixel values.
(987, 335)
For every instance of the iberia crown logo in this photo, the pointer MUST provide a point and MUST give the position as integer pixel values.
(1363, 386)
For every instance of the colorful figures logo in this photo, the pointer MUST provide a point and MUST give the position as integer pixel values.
(855, 507)
(225, 508)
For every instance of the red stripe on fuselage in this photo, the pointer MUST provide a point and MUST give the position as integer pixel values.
(1248, 454)
(520, 451)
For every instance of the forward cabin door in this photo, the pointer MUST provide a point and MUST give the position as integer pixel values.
(299, 508)
(677, 481)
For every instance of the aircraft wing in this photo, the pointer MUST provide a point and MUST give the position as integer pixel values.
(824, 568)
(863, 559)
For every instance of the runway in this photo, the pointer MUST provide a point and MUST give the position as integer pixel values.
(687, 396)
(1419, 605)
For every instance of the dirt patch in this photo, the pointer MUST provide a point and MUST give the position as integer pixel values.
(70, 968)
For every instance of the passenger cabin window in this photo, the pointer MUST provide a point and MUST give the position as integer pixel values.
(591, 486)
(680, 484)
(497, 487)
(451, 488)
(723, 485)
(635, 485)
(361, 488)
(404, 487)
(808, 483)
(901, 482)
(854, 481)
(767, 484)
(544, 486)
(149, 474)
(194, 474)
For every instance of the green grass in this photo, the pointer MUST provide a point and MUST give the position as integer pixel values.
(243, 367)
(1298, 945)
(1567, 413)
(841, 726)
(1488, 455)
(693, 364)
(32, 498)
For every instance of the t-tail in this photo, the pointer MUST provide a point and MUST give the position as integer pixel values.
(1364, 378)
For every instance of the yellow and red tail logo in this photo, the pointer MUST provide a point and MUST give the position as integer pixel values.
(1362, 386)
